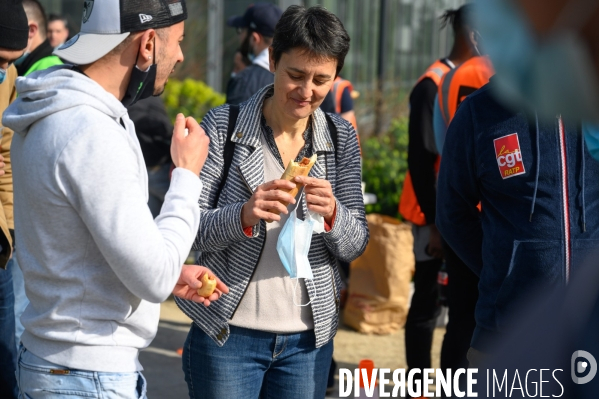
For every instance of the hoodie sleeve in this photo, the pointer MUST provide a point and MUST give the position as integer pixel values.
(102, 176)
(458, 217)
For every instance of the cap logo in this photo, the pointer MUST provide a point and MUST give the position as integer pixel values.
(88, 6)
(175, 9)
(145, 18)
(253, 25)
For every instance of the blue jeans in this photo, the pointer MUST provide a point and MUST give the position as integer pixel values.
(8, 348)
(39, 379)
(21, 300)
(256, 364)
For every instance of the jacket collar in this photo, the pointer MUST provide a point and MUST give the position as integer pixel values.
(247, 129)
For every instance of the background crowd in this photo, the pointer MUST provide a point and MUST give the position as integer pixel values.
(500, 190)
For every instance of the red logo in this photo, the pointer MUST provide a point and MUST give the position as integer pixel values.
(509, 157)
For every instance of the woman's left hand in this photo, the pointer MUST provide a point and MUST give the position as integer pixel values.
(319, 196)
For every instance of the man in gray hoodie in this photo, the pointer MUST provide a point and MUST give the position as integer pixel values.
(96, 264)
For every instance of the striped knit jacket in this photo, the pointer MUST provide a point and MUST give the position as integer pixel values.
(233, 256)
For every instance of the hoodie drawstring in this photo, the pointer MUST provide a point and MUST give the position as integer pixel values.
(534, 196)
(584, 211)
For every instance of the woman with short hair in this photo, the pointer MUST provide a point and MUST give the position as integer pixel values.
(272, 335)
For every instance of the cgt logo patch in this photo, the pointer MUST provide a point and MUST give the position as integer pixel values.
(509, 157)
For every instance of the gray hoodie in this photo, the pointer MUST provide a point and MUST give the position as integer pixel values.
(96, 264)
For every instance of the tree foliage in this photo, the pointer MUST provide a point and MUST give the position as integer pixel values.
(191, 97)
(384, 167)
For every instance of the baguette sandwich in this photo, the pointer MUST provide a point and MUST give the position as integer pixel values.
(295, 169)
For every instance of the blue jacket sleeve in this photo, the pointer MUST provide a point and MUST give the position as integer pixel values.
(458, 217)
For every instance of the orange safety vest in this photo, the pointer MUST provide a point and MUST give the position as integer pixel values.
(337, 90)
(459, 83)
(409, 208)
(339, 86)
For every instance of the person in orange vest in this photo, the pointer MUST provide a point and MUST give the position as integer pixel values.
(340, 100)
(462, 283)
(454, 88)
(418, 200)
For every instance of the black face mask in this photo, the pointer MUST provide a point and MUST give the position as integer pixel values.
(141, 84)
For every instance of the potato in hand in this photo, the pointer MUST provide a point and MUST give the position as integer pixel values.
(208, 285)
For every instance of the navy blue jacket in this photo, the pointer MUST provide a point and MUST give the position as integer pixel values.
(247, 83)
(540, 216)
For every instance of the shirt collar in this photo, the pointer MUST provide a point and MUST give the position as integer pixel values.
(248, 128)
(262, 60)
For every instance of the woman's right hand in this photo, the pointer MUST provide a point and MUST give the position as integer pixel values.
(267, 197)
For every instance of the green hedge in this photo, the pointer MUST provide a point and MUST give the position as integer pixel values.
(191, 97)
(384, 167)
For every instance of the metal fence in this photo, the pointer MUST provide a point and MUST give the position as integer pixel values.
(410, 32)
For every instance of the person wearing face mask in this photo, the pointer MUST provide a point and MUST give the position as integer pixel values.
(537, 186)
(96, 263)
(13, 41)
(272, 336)
(549, 60)
(547, 65)
(38, 55)
(255, 29)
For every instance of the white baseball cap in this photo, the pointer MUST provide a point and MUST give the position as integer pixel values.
(106, 23)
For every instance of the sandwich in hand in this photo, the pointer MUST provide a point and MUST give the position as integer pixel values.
(295, 169)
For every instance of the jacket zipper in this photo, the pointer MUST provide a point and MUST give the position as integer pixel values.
(565, 195)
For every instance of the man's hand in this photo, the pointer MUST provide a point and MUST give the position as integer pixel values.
(189, 150)
(189, 282)
(265, 199)
(435, 245)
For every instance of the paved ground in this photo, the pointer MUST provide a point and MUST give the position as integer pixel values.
(163, 365)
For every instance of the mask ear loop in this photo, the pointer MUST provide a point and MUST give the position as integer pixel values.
(153, 58)
(295, 285)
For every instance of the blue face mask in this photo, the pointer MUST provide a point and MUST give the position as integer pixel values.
(22, 58)
(2, 75)
(591, 139)
(553, 75)
(293, 246)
